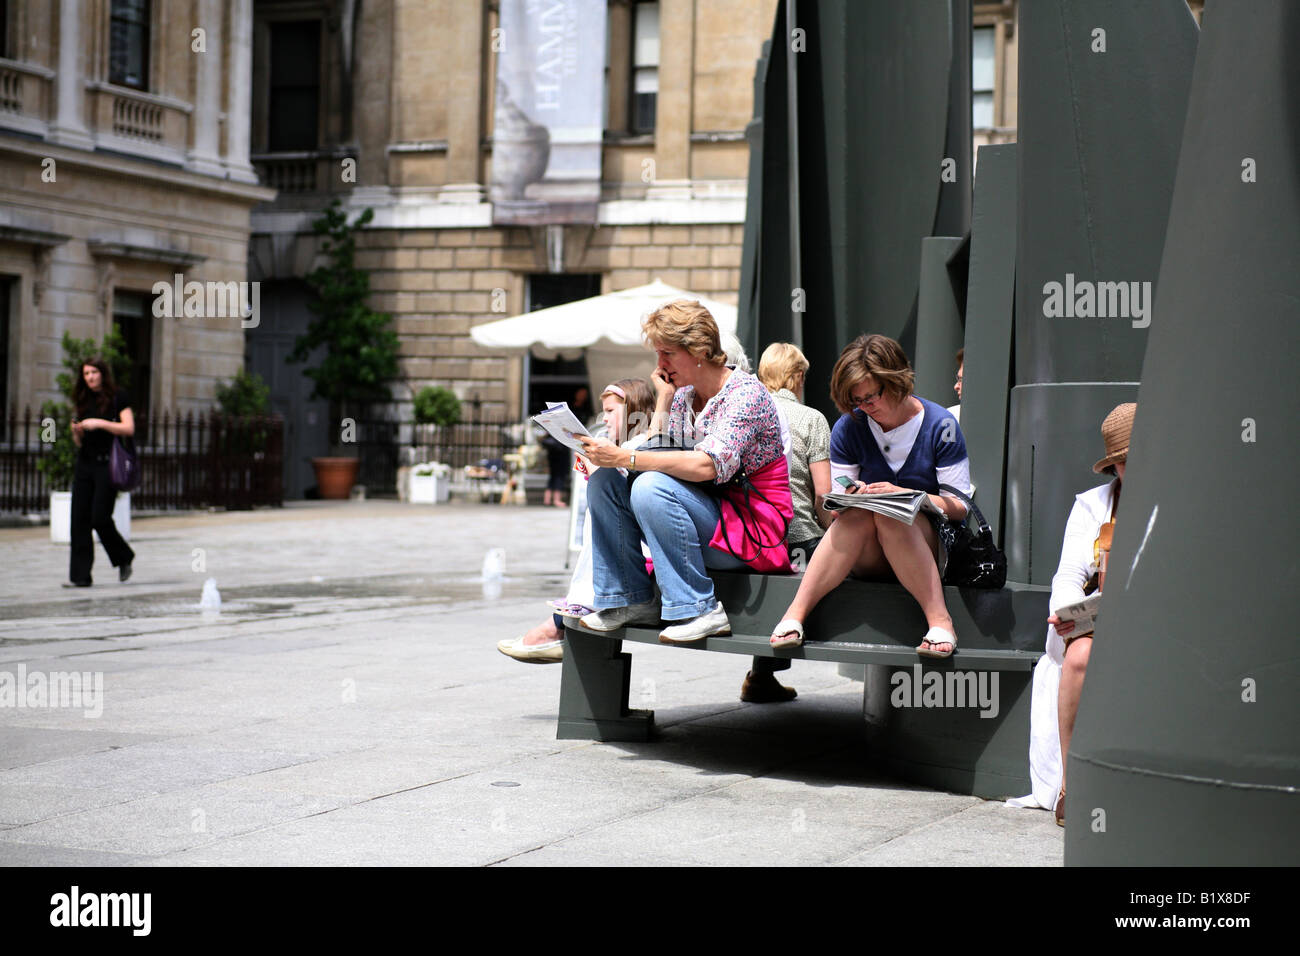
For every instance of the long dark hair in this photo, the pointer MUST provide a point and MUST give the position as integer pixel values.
(85, 398)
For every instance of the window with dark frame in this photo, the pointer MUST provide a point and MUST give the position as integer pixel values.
(128, 43)
(4, 29)
(294, 101)
(645, 66)
(982, 70)
(133, 315)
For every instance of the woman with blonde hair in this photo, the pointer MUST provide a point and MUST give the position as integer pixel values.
(719, 423)
(783, 370)
(886, 440)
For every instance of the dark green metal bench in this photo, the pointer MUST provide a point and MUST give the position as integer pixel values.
(859, 623)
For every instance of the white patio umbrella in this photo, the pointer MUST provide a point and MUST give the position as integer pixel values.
(606, 328)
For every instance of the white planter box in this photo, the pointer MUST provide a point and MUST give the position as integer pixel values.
(61, 517)
(429, 489)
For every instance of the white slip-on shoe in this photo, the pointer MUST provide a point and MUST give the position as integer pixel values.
(552, 652)
(615, 617)
(696, 629)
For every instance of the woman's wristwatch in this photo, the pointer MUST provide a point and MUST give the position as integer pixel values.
(631, 464)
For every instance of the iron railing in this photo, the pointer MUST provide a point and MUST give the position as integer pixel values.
(192, 461)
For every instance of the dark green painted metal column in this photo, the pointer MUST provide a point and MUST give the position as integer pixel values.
(1187, 745)
(1102, 96)
(990, 305)
(940, 304)
(876, 121)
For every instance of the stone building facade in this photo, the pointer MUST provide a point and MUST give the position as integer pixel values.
(123, 162)
(136, 135)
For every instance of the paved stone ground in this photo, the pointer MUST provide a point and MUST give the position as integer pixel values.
(348, 706)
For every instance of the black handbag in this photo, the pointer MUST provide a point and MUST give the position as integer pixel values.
(974, 561)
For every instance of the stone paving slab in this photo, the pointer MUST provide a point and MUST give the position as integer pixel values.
(349, 707)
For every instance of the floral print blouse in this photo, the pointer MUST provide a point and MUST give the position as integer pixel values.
(737, 428)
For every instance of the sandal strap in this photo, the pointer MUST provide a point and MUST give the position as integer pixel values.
(788, 626)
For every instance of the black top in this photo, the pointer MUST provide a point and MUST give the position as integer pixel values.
(99, 442)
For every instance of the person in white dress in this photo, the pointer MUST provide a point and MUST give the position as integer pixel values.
(1059, 674)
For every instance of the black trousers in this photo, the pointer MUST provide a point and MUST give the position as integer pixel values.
(93, 496)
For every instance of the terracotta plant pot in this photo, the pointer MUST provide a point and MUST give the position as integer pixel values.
(336, 476)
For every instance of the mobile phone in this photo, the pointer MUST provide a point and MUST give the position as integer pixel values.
(845, 481)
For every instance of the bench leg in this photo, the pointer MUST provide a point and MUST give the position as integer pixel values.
(593, 692)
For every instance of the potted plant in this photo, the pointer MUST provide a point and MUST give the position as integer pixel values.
(58, 466)
(430, 483)
(360, 347)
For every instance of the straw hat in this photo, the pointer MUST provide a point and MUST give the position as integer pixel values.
(1115, 432)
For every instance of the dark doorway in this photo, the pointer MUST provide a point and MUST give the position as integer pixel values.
(133, 315)
(284, 318)
(558, 380)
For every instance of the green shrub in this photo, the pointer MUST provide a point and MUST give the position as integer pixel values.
(245, 394)
(437, 406)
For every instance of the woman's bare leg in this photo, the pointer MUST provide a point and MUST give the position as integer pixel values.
(849, 545)
(910, 551)
(1067, 695)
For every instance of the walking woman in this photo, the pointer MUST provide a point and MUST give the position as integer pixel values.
(103, 412)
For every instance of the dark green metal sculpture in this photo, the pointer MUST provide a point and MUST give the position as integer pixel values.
(1187, 745)
(883, 99)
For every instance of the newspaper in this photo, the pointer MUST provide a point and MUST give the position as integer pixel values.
(560, 422)
(903, 506)
(1083, 614)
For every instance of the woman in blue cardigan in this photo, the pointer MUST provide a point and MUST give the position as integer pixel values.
(887, 439)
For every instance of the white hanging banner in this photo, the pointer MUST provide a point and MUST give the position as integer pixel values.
(547, 126)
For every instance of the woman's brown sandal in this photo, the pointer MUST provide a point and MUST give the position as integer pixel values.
(1059, 812)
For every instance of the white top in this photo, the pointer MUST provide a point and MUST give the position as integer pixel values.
(1091, 510)
(896, 444)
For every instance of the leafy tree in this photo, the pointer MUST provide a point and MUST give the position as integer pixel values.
(360, 345)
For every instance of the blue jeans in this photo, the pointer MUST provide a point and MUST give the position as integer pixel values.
(676, 519)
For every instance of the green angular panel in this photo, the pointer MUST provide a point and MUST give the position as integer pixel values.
(1187, 745)
(1102, 96)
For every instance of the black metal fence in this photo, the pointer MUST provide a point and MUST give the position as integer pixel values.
(191, 461)
(480, 441)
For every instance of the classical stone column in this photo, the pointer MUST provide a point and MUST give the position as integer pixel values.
(464, 70)
(205, 156)
(69, 126)
(239, 91)
(673, 109)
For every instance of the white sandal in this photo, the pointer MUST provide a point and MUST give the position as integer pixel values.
(788, 626)
(937, 635)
